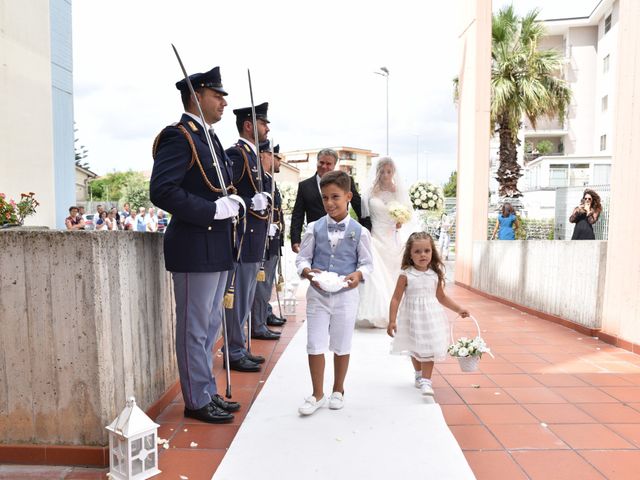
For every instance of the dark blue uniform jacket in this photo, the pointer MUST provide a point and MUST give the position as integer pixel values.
(193, 241)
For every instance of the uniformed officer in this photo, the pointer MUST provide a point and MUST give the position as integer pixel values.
(260, 309)
(246, 179)
(198, 246)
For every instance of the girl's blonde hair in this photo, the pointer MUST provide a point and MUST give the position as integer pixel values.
(436, 262)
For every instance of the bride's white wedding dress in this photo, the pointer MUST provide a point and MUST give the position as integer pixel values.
(386, 245)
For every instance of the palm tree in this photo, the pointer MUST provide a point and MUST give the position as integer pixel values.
(524, 81)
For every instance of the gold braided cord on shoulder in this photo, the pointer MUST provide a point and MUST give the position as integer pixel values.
(246, 168)
(195, 158)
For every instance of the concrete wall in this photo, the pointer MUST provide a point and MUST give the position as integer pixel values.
(562, 278)
(86, 319)
(621, 315)
(473, 131)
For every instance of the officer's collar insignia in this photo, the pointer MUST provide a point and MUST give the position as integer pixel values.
(246, 147)
(192, 125)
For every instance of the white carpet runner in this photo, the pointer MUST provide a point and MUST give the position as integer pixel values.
(386, 429)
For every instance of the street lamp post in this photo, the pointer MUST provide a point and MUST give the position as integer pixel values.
(384, 71)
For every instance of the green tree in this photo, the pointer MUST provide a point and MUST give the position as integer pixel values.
(80, 152)
(118, 185)
(451, 187)
(525, 81)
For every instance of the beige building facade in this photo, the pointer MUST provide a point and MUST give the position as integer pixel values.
(618, 288)
(355, 161)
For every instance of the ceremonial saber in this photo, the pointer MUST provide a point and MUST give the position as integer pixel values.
(223, 187)
(255, 133)
(261, 273)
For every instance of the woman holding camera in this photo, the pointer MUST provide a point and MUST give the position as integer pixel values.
(585, 215)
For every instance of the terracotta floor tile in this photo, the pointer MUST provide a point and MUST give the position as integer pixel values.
(459, 415)
(468, 380)
(490, 368)
(529, 437)
(555, 464)
(174, 413)
(602, 380)
(628, 431)
(503, 414)
(620, 367)
(474, 437)
(624, 394)
(631, 377)
(194, 464)
(614, 464)
(589, 436)
(447, 396)
(514, 380)
(537, 368)
(489, 395)
(559, 413)
(206, 436)
(611, 412)
(559, 380)
(168, 430)
(494, 465)
(584, 395)
(448, 368)
(534, 395)
(522, 358)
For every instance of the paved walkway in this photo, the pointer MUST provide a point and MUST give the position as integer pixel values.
(553, 404)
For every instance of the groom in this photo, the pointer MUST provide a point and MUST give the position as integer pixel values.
(309, 202)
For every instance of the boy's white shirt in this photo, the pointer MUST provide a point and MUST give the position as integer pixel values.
(307, 246)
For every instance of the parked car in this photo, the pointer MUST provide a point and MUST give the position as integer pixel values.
(89, 224)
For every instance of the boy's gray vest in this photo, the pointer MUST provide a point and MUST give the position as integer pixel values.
(343, 260)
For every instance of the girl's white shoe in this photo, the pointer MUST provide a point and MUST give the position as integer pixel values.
(310, 405)
(426, 388)
(336, 401)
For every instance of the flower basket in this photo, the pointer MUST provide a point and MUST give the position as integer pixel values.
(468, 364)
(468, 351)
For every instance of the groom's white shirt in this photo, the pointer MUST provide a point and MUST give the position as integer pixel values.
(307, 246)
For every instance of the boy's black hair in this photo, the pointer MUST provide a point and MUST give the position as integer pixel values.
(338, 178)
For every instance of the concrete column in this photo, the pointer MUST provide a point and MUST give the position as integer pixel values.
(621, 311)
(473, 131)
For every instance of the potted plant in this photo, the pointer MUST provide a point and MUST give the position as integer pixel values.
(12, 213)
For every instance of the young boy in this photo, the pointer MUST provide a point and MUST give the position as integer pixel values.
(334, 243)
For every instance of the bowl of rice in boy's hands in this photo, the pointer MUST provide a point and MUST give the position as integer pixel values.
(328, 281)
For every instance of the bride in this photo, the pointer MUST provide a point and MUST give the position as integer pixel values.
(387, 242)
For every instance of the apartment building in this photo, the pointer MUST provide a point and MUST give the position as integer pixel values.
(355, 161)
(576, 151)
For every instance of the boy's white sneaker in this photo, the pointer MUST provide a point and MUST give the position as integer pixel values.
(310, 405)
(426, 388)
(336, 401)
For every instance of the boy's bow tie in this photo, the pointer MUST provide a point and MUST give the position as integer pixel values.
(336, 227)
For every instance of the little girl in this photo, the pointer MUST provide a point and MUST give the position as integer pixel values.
(422, 330)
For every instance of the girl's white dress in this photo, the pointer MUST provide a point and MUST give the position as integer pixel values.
(423, 327)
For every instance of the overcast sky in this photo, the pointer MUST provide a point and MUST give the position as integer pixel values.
(313, 63)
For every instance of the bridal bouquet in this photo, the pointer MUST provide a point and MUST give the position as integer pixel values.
(426, 196)
(288, 193)
(399, 212)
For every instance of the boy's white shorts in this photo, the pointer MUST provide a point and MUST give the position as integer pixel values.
(330, 321)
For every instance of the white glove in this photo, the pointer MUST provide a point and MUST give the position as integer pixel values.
(273, 230)
(226, 207)
(259, 202)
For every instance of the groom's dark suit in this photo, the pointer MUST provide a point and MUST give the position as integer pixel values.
(309, 204)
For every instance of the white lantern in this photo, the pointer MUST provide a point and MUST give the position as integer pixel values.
(133, 450)
(290, 301)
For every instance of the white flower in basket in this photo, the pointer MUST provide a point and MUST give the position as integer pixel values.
(399, 212)
(468, 351)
